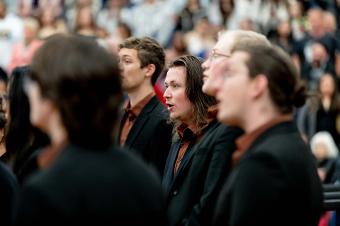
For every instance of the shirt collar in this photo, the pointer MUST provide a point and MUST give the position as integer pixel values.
(244, 141)
(139, 106)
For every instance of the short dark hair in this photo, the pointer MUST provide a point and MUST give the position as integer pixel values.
(149, 52)
(83, 80)
(194, 83)
(285, 87)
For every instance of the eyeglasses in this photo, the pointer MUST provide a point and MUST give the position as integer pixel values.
(215, 55)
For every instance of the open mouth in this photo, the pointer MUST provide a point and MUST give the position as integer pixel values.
(170, 106)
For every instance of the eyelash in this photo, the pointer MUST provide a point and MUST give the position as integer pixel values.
(173, 86)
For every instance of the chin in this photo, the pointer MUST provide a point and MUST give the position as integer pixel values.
(224, 118)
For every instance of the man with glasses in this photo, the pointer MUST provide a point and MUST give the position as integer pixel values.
(217, 63)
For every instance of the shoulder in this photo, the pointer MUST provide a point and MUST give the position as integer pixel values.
(7, 179)
(79, 167)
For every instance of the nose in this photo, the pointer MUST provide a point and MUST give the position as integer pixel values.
(120, 66)
(205, 64)
(167, 93)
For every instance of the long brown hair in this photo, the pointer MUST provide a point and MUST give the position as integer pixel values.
(194, 82)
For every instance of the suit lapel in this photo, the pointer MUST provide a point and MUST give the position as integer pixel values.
(142, 118)
(193, 148)
(169, 173)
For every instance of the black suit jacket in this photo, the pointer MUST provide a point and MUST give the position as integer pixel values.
(150, 135)
(192, 193)
(275, 183)
(8, 195)
(87, 187)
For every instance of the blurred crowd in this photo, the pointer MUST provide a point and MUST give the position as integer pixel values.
(181, 26)
(145, 36)
(307, 30)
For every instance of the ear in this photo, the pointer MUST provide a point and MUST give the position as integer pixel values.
(260, 86)
(149, 70)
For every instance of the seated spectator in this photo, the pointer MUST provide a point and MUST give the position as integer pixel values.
(23, 52)
(320, 64)
(86, 24)
(326, 153)
(200, 40)
(283, 37)
(322, 111)
(50, 24)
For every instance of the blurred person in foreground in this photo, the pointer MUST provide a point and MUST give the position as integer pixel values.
(274, 178)
(91, 181)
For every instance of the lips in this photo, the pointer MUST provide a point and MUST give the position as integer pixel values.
(170, 106)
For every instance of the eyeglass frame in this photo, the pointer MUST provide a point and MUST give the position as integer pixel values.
(213, 55)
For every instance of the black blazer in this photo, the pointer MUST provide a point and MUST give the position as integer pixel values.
(275, 183)
(150, 136)
(8, 195)
(87, 187)
(192, 193)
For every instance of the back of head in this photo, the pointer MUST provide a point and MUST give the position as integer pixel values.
(149, 52)
(82, 79)
(285, 88)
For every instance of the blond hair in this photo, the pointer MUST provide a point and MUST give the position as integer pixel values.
(243, 39)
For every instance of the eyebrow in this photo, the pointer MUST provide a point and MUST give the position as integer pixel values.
(171, 82)
(125, 55)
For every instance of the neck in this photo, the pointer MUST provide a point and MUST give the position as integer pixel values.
(193, 128)
(57, 131)
(262, 116)
(139, 94)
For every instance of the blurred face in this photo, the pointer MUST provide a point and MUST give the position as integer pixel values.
(216, 65)
(85, 17)
(320, 151)
(179, 106)
(327, 86)
(40, 108)
(284, 28)
(234, 91)
(295, 10)
(133, 76)
(319, 52)
(314, 19)
(329, 22)
(47, 17)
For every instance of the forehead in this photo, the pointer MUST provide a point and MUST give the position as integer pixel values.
(176, 74)
(225, 43)
(326, 79)
(128, 52)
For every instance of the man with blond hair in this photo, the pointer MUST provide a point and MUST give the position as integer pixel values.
(218, 58)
